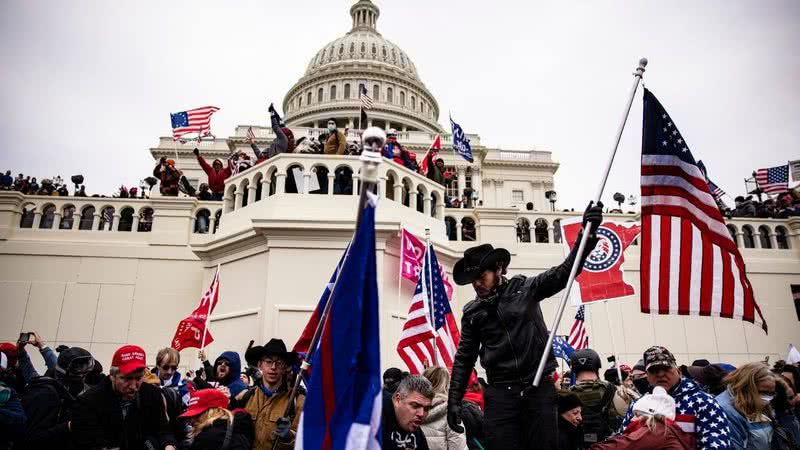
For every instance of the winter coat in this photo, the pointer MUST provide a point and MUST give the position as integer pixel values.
(26, 366)
(6, 181)
(213, 436)
(434, 172)
(638, 437)
(789, 422)
(336, 143)
(394, 437)
(744, 433)
(395, 151)
(48, 406)
(437, 432)
(97, 419)
(266, 410)
(570, 437)
(216, 180)
(508, 330)
(701, 412)
(231, 381)
(12, 417)
(169, 177)
(472, 418)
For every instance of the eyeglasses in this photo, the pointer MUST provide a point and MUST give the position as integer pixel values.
(273, 363)
(224, 363)
(173, 368)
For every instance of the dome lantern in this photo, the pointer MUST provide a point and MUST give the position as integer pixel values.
(365, 16)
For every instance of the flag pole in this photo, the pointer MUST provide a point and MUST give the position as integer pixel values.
(429, 287)
(560, 311)
(208, 313)
(373, 140)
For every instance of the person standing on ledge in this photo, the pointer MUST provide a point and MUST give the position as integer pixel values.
(505, 326)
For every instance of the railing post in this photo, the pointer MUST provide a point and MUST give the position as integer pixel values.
(331, 176)
(115, 222)
(135, 223)
(265, 183)
(96, 221)
(426, 205)
(280, 178)
(56, 220)
(239, 196)
(356, 177)
(773, 239)
(37, 219)
(252, 192)
(398, 191)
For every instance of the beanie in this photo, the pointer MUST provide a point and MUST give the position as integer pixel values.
(568, 401)
(657, 403)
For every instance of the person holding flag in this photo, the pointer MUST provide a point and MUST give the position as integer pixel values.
(434, 171)
(505, 326)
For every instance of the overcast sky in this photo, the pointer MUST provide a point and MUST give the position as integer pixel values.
(87, 86)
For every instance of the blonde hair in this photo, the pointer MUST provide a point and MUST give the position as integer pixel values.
(742, 384)
(168, 354)
(652, 421)
(208, 417)
(439, 378)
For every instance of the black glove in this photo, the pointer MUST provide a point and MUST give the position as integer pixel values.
(593, 215)
(454, 417)
(163, 159)
(196, 152)
(283, 429)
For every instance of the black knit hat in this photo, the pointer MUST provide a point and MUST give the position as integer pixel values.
(568, 401)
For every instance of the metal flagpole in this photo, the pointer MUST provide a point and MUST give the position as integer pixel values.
(208, 310)
(373, 140)
(613, 342)
(429, 289)
(560, 311)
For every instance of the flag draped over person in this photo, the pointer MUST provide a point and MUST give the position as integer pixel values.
(196, 120)
(343, 407)
(689, 263)
(578, 336)
(192, 330)
(430, 335)
(773, 180)
(461, 141)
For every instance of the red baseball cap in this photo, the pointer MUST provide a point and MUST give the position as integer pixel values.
(204, 399)
(129, 358)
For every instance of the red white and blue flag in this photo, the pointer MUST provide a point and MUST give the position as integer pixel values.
(689, 263)
(196, 120)
(773, 180)
(192, 329)
(430, 335)
(343, 406)
(578, 336)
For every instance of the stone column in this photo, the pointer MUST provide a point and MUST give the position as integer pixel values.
(265, 183)
(440, 210)
(498, 194)
(331, 177)
(76, 219)
(426, 205)
(412, 199)
(356, 177)
(227, 204)
(462, 181)
(37, 220)
(756, 238)
(135, 224)
(738, 239)
(252, 192)
(382, 186)
(460, 231)
(212, 219)
(57, 222)
(773, 239)
(239, 196)
(280, 179)
(115, 222)
(550, 238)
(398, 191)
(96, 222)
(493, 192)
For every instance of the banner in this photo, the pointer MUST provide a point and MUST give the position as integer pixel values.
(191, 329)
(412, 254)
(601, 278)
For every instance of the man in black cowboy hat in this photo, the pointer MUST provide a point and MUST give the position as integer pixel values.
(268, 399)
(504, 325)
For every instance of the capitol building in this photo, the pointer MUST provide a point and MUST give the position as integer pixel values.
(102, 272)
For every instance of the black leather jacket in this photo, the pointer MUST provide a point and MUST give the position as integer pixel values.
(507, 330)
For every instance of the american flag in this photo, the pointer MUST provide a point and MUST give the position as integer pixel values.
(416, 342)
(689, 263)
(578, 336)
(774, 179)
(196, 120)
(715, 190)
(251, 137)
(366, 100)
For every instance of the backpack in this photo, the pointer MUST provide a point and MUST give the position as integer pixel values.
(600, 419)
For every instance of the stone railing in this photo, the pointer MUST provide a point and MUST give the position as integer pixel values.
(300, 174)
(404, 137)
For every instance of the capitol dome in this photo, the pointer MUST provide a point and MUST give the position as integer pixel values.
(362, 57)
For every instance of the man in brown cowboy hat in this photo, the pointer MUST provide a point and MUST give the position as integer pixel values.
(504, 325)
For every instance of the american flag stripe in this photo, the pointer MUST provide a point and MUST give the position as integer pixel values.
(250, 134)
(196, 120)
(366, 100)
(578, 336)
(773, 179)
(689, 263)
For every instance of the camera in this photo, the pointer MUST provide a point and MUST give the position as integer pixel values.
(24, 337)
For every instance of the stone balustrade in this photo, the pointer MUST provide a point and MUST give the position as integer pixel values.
(405, 137)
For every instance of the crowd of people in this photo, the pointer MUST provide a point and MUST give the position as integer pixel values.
(782, 207)
(31, 186)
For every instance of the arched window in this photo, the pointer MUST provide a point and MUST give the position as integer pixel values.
(540, 231)
(732, 232)
(146, 220)
(217, 218)
(389, 95)
(299, 101)
(450, 228)
(376, 92)
(290, 186)
(343, 181)
(319, 95)
(126, 219)
(523, 230)
(402, 98)
(468, 232)
(27, 217)
(557, 231)
(67, 218)
(763, 234)
(87, 218)
(106, 218)
(333, 92)
(422, 107)
(781, 238)
(413, 102)
(347, 90)
(202, 220)
(747, 237)
(48, 215)
(390, 181)
(308, 98)
(420, 199)
(321, 174)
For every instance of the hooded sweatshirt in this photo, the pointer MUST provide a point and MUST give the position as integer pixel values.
(232, 380)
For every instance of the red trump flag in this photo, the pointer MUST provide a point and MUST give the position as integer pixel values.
(192, 331)
(412, 253)
(601, 278)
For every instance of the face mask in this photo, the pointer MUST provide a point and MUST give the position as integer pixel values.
(331, 128)
(767, 398)
(641, 385)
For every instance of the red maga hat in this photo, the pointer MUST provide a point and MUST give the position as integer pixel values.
(129, 358)
(203, 400)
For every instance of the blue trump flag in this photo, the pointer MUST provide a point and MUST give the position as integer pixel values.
(562, 349)
(343, 406)
(461, 142)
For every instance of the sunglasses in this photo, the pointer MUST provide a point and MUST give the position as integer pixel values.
(169, 368)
